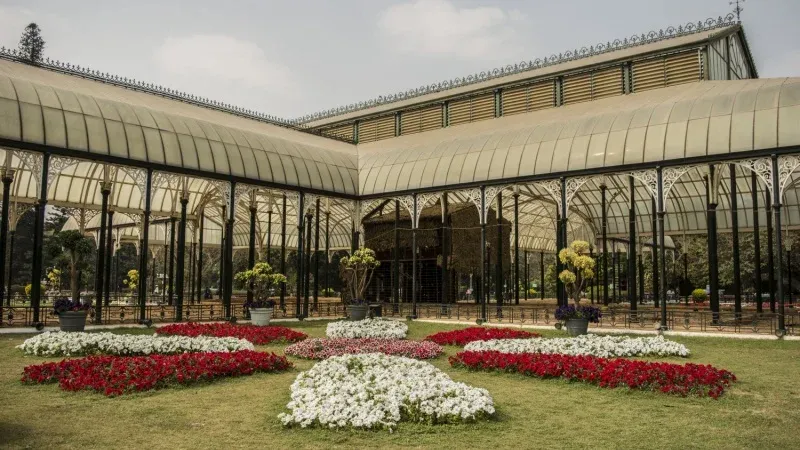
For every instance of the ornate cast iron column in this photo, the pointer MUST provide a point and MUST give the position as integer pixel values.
(8, 178)
(756, 242)
(776, 208)
(38, 237)
(170, 300)
(737, 275)
(712, 193)
(662, 254)
(654, 248)
(327, 246)
(482, 218)
(446, 243)
(283, 253)
(414, 276)
(105, 190)
(396, 254)
(316, 257)
(498, 285)
(604, 228)
(229, 251)
(516, 245)
(300, 231)
(181, 258)
(307, 263)
(541, 274)
(145, 244)
(251, 248)
(527, 275)
(201, 225)
(770, 253)
(109, 252)
(223, 231)
(632, 245)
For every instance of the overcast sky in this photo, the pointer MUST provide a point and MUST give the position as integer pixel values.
(290, 58)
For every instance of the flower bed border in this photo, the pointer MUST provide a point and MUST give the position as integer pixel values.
(466, 335)
(683, 380)
(603, 346)
(258, 335)
(323, 348)
(118, 375)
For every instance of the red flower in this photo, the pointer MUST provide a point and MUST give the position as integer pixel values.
(467, 335)
(255, 334)
(117, 375)
(688, 379)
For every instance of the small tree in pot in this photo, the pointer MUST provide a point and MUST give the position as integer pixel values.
(73, 248)
(259, 280)
(357, 271)
(579, 269)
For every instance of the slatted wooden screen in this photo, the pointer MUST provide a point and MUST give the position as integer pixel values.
(471, 109)
(592, 85)
(577, 88)
(370, 130)
(531, 97)
(679, 68)
(422, 119)
(344, 131)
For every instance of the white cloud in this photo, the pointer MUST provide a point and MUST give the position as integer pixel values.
(440, 28)
(207, 59)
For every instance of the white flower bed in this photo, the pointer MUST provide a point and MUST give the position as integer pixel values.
(74, 344)
(374, 390)
(590, 344)
(367, 328)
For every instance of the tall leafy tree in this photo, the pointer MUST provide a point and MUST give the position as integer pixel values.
(73, 249)
(31, 44)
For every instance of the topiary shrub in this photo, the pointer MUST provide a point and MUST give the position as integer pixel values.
(699, 295)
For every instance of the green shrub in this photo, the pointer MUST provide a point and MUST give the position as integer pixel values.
(699, 295)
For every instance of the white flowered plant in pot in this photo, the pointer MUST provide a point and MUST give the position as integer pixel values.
(79, 343)
(590, 344)
(367, 328)
(259, 280)
(357, 271)
(377, 391)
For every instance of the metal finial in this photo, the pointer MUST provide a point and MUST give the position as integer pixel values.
(737, 9)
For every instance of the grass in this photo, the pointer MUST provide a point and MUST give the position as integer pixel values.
(761, 410)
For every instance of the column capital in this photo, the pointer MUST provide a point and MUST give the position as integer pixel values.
(7, 174)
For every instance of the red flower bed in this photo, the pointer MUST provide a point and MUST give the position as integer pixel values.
(683, 380)
(117, 375)
(255, 334)
(325, 348)
(467, 335)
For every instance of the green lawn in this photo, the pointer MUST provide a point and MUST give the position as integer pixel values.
(761, 410)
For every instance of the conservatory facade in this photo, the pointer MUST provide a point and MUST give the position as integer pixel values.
(628, 145)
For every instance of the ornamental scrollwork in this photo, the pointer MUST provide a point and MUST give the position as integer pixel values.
(762, 167)
(490, 193)
(574, 184)
(33, 162)
(57, 165)
(787, 164)
(649, 178)
(670, 176)
(474, 196)
(553, 187)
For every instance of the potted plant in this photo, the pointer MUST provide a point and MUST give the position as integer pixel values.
(71, 314)
(259, 280)
(579, 269)
(357, 271)
(132, 282)
(73, 248)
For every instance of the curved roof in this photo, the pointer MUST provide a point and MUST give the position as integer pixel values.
(670, 124)
(43, 107)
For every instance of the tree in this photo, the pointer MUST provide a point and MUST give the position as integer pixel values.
(31, 44)
(260, 280)
(72, 248)
(579, 269)
(357, 271)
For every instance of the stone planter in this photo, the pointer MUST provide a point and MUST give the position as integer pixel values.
(72, 320)
(261, 316)
(357, 312)
(577, 327)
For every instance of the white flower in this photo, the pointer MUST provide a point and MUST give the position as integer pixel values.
(367, 328)
(374, 390)
(73, 344)
(590, 344)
